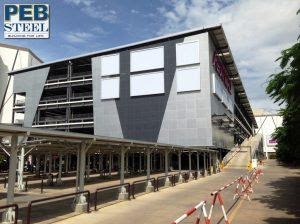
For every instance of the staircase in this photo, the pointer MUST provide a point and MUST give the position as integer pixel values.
(239, 157)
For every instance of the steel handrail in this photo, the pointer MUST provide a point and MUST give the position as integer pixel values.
(57, 197)
(226, 186)
(108, 188)
(16, 210)
(42, 181)
(140, 181)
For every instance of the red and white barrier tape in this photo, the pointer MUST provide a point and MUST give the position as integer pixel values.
(201, 206)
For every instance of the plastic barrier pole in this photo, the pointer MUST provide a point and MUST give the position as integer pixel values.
(201, 206)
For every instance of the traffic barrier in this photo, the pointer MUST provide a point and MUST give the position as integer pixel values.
(201, 207)
(186, 177)
(171, 178)
(246, 184)
(176, 178)
(133, 188)
(217, 196)
(29, 207)
(16, 210)
(109, 188)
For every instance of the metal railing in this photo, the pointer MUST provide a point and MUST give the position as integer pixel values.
(54, 100)
(171, 177)
(28, 214)
(134, 183)
(86, 115)
(81, 75)
(109, 188)
(16, 210)
(42, 181)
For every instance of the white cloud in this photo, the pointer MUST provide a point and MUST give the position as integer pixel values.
(78, 2)
(94, 10)
(98, 12)
(256, 30)
(133, 11)
(77, 37)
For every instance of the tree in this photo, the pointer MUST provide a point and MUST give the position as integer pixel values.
(284, 89)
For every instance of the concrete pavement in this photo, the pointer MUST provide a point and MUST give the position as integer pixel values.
(275, 200)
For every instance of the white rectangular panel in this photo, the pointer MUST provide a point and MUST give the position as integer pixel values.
(147, 59)
(110, 65)
(218, 90)
(187, 53)
(110, 88)
(188, 79)
(147, 84)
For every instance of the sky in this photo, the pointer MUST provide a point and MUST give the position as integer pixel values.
(256, 30)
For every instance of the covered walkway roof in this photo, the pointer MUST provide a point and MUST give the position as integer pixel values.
(46, 140)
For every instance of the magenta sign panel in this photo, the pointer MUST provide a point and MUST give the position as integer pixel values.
(221, 71)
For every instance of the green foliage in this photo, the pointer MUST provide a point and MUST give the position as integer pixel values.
(284, 88)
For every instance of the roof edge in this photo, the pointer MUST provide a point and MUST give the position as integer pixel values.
(120, 47)
(23, 49)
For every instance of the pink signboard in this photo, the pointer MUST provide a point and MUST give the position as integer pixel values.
(221, 71)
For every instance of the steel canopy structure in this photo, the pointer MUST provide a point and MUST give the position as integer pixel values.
(60, 141)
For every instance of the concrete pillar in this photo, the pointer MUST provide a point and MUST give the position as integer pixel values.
(204, 165)
(50, 164)
(49, 181)
(180, 178)
(9, 215)
(132, 162)
(45, 164)
(123, 195)
(140, 162)
(127, 154)
(160, 162)
(190, 166)
(198, 166)
(210, 164)
(21, 186)
(69, 162)
(215, 163)
(94, 162)
(154, 161)
(54, 164)
(77, 169)
(100, 162)
(80, 202)
(37, 165)
(66, 163)
(110, 164)
(59, 181)
(88, 166)
(167, 182)
(150, 187)
(151, 164)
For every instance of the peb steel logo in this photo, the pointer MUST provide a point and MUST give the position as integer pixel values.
(29, 21)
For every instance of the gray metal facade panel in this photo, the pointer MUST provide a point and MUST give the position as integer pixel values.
(106, 116)
(187, 119)
(141, 117)
(32, 83)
